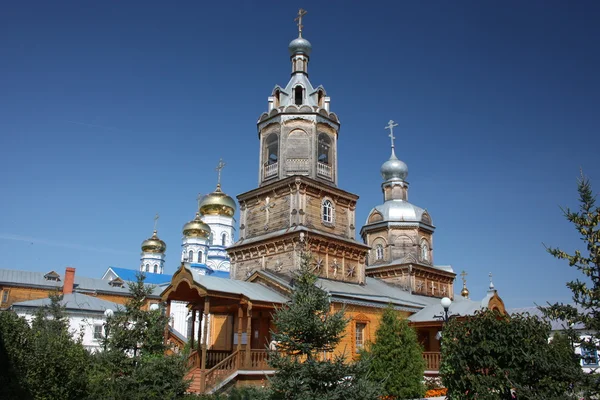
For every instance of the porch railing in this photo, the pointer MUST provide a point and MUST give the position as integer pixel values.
(432, 360)
(193, 360)
(213, 357)
(222, 370)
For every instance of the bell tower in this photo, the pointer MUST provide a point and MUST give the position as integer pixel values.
(298, 134)
(297, 205)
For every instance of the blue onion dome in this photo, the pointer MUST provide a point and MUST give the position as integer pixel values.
(196, 228)
(154, 245)
(394, 169)
(217, 203)
(300, 45)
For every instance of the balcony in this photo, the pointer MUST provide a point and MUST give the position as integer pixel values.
(324, 170)
(270, 170)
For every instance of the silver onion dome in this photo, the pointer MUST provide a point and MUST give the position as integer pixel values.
(394, 169)
(300, 45)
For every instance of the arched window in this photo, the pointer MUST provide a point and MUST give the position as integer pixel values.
(298, 95)
(200, 256)
(327, 211)
(155, 268)
(272, 149)
(191, 256)
(223, 239)
(424, 251)
(211, 239)
(379, 252)
(147, 267)
(324, 155)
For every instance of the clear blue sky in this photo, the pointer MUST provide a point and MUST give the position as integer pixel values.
(113, 111)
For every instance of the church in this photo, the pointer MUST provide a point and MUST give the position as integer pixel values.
(297, 208)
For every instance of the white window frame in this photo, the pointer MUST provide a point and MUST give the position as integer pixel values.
(98, 334)
(327, 211)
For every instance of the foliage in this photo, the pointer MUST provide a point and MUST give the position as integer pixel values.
(44, 361)
(586, 292)
(396, 357)
(485, 355)
(134, 364)
(307, 329)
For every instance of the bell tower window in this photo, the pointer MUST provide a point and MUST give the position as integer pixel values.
(327, 211)
(223, 239)
(298, 95)
(191, 256)
(379, 252)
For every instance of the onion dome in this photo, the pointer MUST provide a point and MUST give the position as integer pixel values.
(196, 228)
(464, 292)
(300, 45)
(217, 203)
(153, 245)
(394, 169)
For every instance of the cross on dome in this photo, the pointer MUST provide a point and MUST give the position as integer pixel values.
(220, 166)
(391, 126)
(155, 221)
(301, 13)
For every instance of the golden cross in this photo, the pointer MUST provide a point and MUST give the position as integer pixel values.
(199, 199)
(155, 221)
(464, 277)
(391, 126)
(301, 13)
(220, 166)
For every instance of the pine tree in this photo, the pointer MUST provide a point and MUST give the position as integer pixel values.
(306, 330)
(586, 292)
(396, 358)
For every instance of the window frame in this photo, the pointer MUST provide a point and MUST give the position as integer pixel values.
(379, 252)
(5, 296)
(327, 212)
(360, 345)
(98, 334)
(589, 354)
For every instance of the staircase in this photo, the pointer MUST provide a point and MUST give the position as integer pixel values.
(238, 364)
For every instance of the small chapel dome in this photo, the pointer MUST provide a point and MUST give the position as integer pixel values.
(217, 203)
(154, 245)
(196, 228)
(394, 169)
(300, 45)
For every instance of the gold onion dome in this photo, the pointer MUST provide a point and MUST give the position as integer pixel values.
(464, 292)
(196, 228)
(153, 245)
(217, 203)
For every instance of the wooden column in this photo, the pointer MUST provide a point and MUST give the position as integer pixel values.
(248, 334)
(191, 338)
(239, 334)
(168, 320)
(200, 319)
(204, 334)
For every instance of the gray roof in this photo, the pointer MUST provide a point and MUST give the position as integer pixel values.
(556, 324)
(400, 210)
(375, 292)
(72, 302)
(459, 307)
(81, 284)
(251, 290)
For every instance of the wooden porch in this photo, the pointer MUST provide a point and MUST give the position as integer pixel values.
(231, 344)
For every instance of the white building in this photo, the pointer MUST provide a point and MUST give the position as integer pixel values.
(86, 315)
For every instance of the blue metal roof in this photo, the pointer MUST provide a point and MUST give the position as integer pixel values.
(151, 278)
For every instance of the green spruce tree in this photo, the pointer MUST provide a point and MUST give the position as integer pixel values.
(306, 329)
(586, 291)
(396, 357)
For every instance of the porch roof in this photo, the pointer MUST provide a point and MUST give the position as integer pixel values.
(252, 291)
